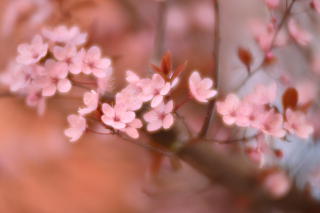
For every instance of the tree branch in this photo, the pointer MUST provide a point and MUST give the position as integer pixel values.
(216, 54)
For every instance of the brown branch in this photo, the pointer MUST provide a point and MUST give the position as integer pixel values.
(241, 178)
(216, 54)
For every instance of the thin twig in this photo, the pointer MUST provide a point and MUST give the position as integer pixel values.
(186, 126)
(216, 54)
(258, 68)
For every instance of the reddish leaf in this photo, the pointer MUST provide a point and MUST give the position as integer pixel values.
(179, 70)
(290, 98)
(166, 63)
(159, 71)
(245, 57)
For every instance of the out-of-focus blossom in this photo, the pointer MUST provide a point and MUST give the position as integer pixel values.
(263, 94)
(158, 88)
(315, 4)
(78, 125)
(92, 63)
(116, 117)
(272, 124)
(91, 101)
(307, 92)
(62, 34)
(131, 128)
(56, 78)
(228, 108)
(296, 123)
(257, 153)
(201, 89)
(277, 184)
(105, 84)
(35, 99)
(264, 35)
(32, 53)
(272, 4)
(301, 36)
(160, 117)
(34, 13)
(67, 55)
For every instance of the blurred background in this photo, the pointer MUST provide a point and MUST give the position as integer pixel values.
(41, 172)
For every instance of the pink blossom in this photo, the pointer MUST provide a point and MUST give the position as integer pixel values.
(93, 63)
(35, 99)
(272, 124)
(263, 94)
(272, 4)
(228, 108)
(56, 79)
(301, 36)
(277, 184)
(131, 128)
(78, 125)
(136, 93)
(91, 100)
(132, 77)
(160, 117)
(62, 34)
(316, 5)
(264, 35)
(68, 55)
(201, 88)
(257, 153)
(307, 92)
(158, 88)
(249, 114)
(32, 53)
(117, 117)
(105, 84)
(296, 123)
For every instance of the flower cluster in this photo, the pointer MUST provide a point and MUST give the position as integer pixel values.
(256, 111)
(122, 114)
(45, 66)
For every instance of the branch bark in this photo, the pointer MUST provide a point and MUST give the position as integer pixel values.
(241, 177)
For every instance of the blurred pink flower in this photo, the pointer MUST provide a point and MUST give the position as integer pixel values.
(61, 34)
(201, 88)
(91, 101)
(160, 117)
(277, 184)
(35, 99)
(307, 92)
(301, 36)
(131, 128)
(272, 124)
(263, 94)
(67, 55)
(296, 123)
(78, 125)
(272, 4)
(228, 108)
(32, 53)
(117, 117)
(316, 5)
(92, 63)
(56, 79)
(264, 35)
(158, 88)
